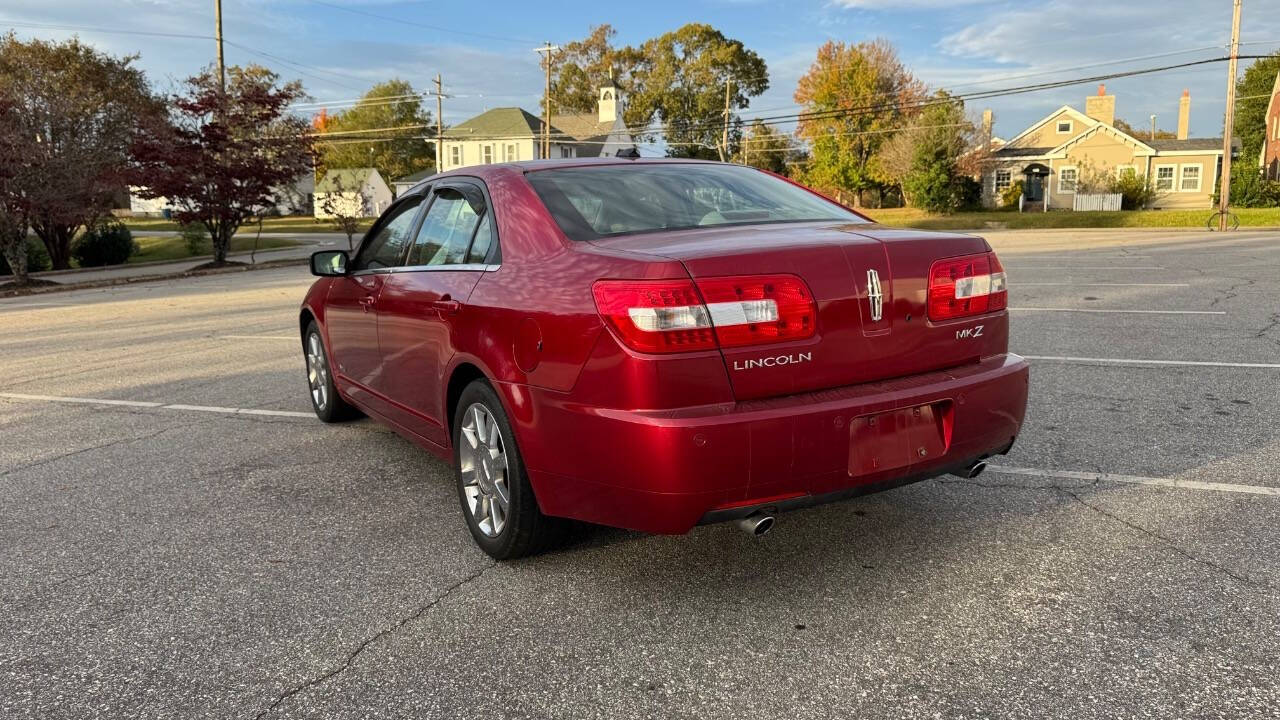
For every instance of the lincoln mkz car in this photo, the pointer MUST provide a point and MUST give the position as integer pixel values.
(658, 344)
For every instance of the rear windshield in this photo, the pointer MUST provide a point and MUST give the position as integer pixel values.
(597, 202)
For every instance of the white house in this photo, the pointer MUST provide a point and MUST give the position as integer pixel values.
(408, 181)
(510, 134)
(293, 199)
(359, 192)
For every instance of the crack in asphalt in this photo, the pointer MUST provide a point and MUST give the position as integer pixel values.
(1070, 491)
(81, 451)
(21, 604)
(1169, 543)
(351, 658)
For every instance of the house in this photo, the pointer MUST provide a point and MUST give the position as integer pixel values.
(359, 192)
(295, 198)
(1269, 161)
(408, 181)
(1068, 148)
(509, 134)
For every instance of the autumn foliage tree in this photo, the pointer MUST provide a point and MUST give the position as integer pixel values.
(764, 146)
(76, 112)
(855, 97)
(219, 156)
(13, 213)
(579, 68)
(679, 78)
(394, 109)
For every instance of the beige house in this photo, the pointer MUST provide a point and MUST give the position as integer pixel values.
(1065, 150)
(510, 134)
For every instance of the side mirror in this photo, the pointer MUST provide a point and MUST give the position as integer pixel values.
(329, 263)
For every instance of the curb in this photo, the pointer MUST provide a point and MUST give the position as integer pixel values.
(45, 289)
(153, 263)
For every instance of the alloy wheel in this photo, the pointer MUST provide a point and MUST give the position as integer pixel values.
(317, 372)
(482, 458)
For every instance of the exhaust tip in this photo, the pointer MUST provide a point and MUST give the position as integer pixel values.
(976, 469)
(756, 525)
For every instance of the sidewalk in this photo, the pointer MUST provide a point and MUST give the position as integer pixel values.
(311, 242)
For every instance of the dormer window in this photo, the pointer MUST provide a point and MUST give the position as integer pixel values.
(1064, 127)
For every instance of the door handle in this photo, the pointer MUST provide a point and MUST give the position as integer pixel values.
(366, 302)
(446, 307)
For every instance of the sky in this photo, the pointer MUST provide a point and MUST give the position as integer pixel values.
(485, 50)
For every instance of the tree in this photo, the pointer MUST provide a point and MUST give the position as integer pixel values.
(764, 147)
(855, 96)
(943, 145)
(1140, 134)
(13, 215)
(1254, 88)
(579, 68)
(218, 157)
(392, 104)
(77, 114)
(345, 208)
(679, 78)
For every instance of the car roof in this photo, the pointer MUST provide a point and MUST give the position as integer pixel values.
(522, 166)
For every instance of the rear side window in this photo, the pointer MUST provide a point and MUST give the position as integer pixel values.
(385, 248)
(448, 228)
(604, 201)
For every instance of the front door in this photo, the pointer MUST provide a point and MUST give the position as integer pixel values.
(423, 306)
(351, 317)
(1033, 188)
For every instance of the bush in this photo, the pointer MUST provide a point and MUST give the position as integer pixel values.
(1009, 196)
(109, 243)
(37, 258)
(1250, 188)
(196, 239)
(1137, 194)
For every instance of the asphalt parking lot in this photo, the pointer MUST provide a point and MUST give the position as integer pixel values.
(203, 547)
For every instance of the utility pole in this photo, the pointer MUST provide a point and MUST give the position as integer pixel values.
(439, 124)
(547, 48)
(724, 133)
(1224, 199)
(222, 68)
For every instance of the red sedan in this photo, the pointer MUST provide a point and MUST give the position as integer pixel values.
(656, 344)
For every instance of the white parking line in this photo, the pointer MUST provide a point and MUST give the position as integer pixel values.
(158, 406)
(1140, 480)
(1120, 312)
(1083, 267)
(1080, 284)
(1130, 361)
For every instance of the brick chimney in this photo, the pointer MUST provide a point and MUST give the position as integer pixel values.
(1101, 107)
(1184, 115)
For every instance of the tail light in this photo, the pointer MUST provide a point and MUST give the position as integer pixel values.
(666, 316)
(964, 286)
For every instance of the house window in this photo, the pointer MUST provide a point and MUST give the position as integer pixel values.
(486, 154)
(566, 151)
(1164, 177)
(1067, 180)
(1123, 170)
(509, 153)
(1064, 127)
(1004, 178)
(1190, 178)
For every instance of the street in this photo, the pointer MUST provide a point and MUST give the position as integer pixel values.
(183, 539)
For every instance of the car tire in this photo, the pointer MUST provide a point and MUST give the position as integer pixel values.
(497, 500)
(325, 400)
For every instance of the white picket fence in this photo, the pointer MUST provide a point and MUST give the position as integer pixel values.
(1100, 201)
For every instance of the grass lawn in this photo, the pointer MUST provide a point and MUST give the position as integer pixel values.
(910, 217)
(292, 223)
(175, 248)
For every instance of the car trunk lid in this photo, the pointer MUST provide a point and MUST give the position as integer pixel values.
(860, 338)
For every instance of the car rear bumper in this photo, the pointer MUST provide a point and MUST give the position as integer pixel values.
(667, 471)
